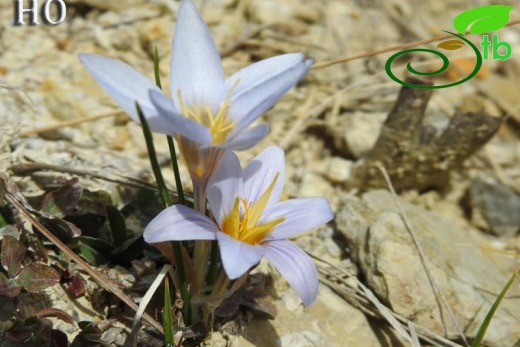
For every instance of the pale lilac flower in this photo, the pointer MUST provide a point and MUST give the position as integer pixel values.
(251, 221)
(206, 112)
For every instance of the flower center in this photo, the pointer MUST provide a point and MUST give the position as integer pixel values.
(243, 225)
(219, 124)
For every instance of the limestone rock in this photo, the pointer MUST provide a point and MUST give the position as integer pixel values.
(469, 278)
(331, 322)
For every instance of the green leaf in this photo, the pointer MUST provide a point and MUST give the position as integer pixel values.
(36, 277)
(451, 45)
(89, 248)
(12, 254)
(95, 242)
(482, 19)
(169, 325)
(487, 320)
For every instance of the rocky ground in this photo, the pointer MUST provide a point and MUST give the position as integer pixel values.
(429, 261)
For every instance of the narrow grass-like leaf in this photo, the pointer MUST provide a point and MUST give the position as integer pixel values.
(90, 249)
(156, 67)
(171, 144)
(169, 328)
(177, 247)
(117, 225)
(3, 188)
(156, 168)
(487, 320)
(213, 268)
(176, 173)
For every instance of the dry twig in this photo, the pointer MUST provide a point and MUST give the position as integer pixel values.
(104, 282)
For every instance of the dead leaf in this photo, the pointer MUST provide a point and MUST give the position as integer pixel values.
(12, 254)
(36, 277)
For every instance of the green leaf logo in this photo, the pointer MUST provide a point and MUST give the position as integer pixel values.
(482, 19)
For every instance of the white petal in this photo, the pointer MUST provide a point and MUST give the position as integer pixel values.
(260, 173)
(195, 65)
(300, 215)
(179, 223)
(248, 139)
(123, 83)
(225, 186)
(262, 84)
(237, 256)
(296, 267)
(179, 124)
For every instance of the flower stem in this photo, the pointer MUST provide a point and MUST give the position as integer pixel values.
(202, 247)
(167, 200)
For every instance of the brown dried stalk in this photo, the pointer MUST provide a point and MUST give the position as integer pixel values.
(104, 282)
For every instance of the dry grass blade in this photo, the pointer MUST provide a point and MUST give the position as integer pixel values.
(413, 334)
(385, 312)
(335, 278)
(105, 283)
(424, 260)
(29, 168)
(131, 340)
(30, 132)
(20, 89)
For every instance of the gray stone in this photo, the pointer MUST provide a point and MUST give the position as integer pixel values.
(494, 207)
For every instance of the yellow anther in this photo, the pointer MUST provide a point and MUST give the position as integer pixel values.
(220, 125)
(244, 227)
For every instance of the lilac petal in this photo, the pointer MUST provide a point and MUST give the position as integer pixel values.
(237, 256)
(260, 173)
(179, 223)
(262, 84)
(300, 215)
(196, 69)
(124, 84)
(248, 139)
(225, 186)
(296, 267)
(180, 124)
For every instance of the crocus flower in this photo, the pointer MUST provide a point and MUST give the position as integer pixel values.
(251, 222)
(206, 112)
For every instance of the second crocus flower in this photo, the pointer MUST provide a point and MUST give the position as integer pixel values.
(251, 222)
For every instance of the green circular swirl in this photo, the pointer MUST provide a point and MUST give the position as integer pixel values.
(445, 65)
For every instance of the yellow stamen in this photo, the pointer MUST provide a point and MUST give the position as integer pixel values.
(219, 124)
(245, 227)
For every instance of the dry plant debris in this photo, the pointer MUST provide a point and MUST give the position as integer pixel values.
(86, 181)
